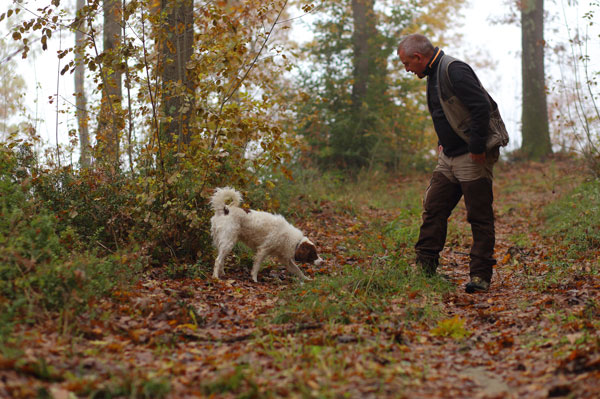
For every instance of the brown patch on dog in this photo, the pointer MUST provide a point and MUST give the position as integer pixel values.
(306, 253)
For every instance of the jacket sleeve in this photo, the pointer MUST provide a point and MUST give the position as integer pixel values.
(466, 87)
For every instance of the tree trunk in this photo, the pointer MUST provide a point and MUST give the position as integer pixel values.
(80, 97)
(535, 130)
(362, 11)
(110, 120)
(364, 60)
(177, 90)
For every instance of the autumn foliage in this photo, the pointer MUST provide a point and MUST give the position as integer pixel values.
(104, 263)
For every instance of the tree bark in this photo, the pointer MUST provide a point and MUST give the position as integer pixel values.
(535, 127)
(354, 141)
(177, 89)
(80, 96)
(362, 11)
(110, 120)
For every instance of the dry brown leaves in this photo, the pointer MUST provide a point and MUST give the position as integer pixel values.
(523, 342)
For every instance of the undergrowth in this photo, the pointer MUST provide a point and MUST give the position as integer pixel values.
(40, 272)
(383, 274)
(356, 293)
(576, 218)
(573, 222)
(310, 188)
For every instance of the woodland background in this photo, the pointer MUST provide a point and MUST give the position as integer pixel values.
(176, 98)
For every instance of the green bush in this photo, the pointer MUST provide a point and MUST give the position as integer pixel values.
(38, 271)
(109, 211)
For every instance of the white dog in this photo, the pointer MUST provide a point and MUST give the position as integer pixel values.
(265, 233)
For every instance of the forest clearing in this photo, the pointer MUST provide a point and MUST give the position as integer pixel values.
(120, 119)
(367, 326)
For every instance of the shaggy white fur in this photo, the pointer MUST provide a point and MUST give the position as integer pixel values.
(265, 233)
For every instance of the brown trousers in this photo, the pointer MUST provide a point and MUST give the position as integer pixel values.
(453, 178)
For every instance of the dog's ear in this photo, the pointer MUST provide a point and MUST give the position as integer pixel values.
(306, 252)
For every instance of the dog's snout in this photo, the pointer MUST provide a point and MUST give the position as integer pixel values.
(318, 261)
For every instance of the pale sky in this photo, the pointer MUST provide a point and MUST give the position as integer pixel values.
(500, 45)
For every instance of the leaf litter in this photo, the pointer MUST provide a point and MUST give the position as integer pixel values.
(186, 338)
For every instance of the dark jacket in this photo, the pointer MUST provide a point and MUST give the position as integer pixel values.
(468, 90)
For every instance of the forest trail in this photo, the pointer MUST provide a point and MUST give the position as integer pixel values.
(528, 332)
(529, 337)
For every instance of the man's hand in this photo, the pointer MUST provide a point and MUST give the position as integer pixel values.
(478, 158)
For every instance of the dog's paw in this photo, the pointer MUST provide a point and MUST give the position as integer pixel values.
(306, 278)
(215, 276)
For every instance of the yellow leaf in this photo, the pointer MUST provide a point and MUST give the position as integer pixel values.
(187, 325)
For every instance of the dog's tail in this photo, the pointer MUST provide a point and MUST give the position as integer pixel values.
(219, 200)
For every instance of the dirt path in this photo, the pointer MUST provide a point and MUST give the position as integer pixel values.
(529, 335)
(201, 338)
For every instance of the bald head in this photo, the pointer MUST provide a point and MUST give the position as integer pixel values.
(416, 43)
(415, 51)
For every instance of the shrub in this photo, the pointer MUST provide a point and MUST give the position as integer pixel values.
(38, 272)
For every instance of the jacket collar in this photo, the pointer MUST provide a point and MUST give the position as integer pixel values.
(434, 61)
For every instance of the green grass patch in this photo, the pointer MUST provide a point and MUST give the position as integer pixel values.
(365, 289)
(356, 292)
(239, 382)
(576, 218)
(311, 187)
(574, 223)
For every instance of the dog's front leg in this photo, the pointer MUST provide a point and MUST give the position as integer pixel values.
(294, 269)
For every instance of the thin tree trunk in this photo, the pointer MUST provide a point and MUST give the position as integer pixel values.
(129, 106)
(355, 143)
(110, 120)
(176, 51)
(80, 96)
(360, 39)
(535, 127)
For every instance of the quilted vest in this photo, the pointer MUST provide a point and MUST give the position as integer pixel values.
(458, 115)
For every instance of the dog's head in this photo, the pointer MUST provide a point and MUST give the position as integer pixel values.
(306, 252)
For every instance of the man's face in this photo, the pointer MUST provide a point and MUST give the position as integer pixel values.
(415, 63)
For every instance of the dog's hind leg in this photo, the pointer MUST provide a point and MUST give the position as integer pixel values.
(224, 250)
(294, 269)
(260, 256)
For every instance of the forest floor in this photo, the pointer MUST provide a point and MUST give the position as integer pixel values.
(533, 335)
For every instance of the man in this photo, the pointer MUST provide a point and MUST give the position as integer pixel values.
(470, 131)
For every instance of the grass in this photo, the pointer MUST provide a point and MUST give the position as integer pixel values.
(382, 274)
(297, 198)
(576, 218)
(521, 240)
(232, 382)
(358, 290)
(573, 222)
